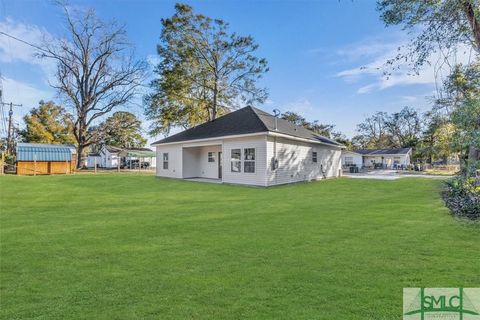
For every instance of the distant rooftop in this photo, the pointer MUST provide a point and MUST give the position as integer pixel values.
(383, 151)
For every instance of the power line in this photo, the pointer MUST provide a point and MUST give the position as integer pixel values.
(23, 41)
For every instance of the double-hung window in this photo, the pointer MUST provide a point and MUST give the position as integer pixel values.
(165, 161)
(249, 160)
(211, 157)
(314, 157)
(236, 160)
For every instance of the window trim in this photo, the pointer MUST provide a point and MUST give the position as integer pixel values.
(165, 160)
(250, 161)
(210, 156)
(235, 160)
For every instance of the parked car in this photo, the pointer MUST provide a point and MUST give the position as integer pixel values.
(134, 164)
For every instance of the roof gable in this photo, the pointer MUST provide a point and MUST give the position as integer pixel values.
(247, 120)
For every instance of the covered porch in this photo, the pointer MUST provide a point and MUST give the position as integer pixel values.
(203, 162)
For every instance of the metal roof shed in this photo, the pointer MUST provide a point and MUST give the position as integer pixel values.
(44, 152)
(38, 158)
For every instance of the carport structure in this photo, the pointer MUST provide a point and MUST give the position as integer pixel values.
(127, 157)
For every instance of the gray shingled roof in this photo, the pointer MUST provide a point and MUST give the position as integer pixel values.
(372, 152)
(245, 121)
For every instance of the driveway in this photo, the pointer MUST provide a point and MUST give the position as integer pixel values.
(390, 175)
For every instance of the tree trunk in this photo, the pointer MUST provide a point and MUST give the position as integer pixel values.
(80, 149)
(214, 106)
(81, 142)
(468, 7)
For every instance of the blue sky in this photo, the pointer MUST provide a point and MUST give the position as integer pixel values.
(315, 51)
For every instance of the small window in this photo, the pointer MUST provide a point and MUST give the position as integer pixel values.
(314, 157)
(211, 157)
(348, 161)
(249, 160)
(165, 161)
(236, 159)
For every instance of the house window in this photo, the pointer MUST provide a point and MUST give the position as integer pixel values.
(165, 161)
(314, 157)
(211, 157)
(348, 161)
(236, 159)
(249, 160)
(396, 160)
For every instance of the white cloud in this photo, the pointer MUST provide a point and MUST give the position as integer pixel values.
(12, 50)
(301, 106)
(25, 94)
(373, 71)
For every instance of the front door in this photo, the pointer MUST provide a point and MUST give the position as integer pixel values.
(220, 160)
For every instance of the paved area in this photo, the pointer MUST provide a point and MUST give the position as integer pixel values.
(209, 180)
(390, 175)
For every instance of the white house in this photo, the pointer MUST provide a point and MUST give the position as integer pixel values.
(391, 158)
(94, 159)
(248, 146)
(110, 157)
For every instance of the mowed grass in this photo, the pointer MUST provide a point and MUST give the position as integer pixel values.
(129, 246)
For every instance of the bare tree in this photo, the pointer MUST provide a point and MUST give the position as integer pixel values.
(96, 70)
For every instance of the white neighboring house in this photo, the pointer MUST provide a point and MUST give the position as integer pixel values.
(94, 159)
(391, 158)
(248, 146)
(110, 157)
(351, 158)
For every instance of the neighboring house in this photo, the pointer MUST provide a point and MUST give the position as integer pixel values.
(110, 157)
(94, 159)
(39, 158)
(390, 158)
(248, 146)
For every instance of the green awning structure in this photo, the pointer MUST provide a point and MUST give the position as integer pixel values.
(137, 154)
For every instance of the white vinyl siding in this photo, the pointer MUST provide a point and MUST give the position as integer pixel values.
(295, 161)
(351, 158)
(196, 162)
(250, 178)
(174, 161)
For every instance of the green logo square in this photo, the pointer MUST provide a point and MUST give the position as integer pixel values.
(441, 303)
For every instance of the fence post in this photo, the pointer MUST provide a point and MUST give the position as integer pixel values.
(66, 166)
(34, 164)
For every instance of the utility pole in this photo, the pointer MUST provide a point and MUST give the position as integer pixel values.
(10, 126)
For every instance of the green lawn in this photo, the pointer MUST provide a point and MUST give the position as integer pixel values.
(126, 246)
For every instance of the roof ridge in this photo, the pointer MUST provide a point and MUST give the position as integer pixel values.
(255, 111)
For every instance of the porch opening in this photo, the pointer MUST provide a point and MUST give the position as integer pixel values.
(202, 162)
